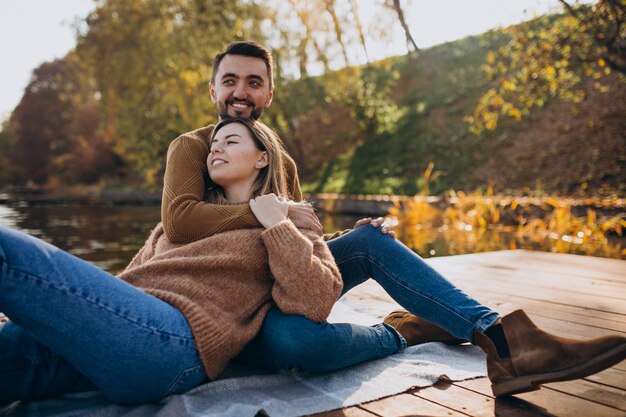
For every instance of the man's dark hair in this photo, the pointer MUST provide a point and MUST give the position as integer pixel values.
(246, 48)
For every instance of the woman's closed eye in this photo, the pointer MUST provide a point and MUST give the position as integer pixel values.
(228, 142)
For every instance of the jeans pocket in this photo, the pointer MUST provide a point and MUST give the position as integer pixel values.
(186, 380)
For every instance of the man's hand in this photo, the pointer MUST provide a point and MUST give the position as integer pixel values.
(375, 223)
(303, 216)
(269, 209)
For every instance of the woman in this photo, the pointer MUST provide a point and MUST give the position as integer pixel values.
(179, 312)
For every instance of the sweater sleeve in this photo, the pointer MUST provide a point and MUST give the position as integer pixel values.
(293, 183)
(308, 282)
(185, 215)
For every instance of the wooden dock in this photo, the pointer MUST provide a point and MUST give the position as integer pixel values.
(569, 295)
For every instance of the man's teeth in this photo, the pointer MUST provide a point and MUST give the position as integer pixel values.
(241, 106)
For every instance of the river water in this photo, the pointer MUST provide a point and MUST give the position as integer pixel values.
(109, 235)
(106, 235)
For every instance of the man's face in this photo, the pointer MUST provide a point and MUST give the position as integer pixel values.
(242, 87)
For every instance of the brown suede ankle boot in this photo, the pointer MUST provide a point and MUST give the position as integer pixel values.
(417, 330)
(537, 357)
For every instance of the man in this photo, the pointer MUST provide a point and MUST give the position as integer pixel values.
(242, 86)
(519, 355)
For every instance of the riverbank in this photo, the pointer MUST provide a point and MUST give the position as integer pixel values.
(343, 204)
(108, 228)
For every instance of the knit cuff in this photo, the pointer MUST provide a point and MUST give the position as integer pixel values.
(280, 233)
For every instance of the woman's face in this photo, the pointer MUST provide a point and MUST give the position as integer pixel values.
(234, 159)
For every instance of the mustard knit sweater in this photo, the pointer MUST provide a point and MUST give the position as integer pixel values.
(225, 284)
(186, 216)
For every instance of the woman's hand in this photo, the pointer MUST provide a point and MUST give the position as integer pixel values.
(269, 209)
(303, 216)
(385, 229)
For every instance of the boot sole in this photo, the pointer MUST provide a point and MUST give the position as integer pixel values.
(531, 382)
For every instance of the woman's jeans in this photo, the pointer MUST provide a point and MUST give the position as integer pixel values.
(288, 341)
(75, 327)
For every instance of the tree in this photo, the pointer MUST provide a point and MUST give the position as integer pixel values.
(605, 26)
(7, 142)
(397, 8)
(151, 61)
(55, 127)
(41, 119)
(330, 7)
(549, 57)
(359, 27)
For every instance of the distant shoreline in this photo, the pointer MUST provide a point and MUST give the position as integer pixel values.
(365, 205)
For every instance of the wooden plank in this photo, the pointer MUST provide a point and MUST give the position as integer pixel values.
(564, 293)
(477, 287)
(601, 394)
(574, 314)
(473, 281)
(470, 402)
(346, 412)
(548, 401)
(403, 405)
(612, 377)
(572, 265)
(579, 265)
(551, 274)
(520, 279)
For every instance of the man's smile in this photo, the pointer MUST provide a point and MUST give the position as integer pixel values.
(239, 104)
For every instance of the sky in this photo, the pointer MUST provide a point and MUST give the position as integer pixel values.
(35, 31)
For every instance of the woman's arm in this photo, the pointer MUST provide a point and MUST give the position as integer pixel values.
(185, 215)
(308, 282)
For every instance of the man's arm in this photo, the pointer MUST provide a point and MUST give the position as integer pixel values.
(185, 215)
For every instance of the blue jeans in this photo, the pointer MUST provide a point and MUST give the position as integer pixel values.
(287, 341)
(74, 327)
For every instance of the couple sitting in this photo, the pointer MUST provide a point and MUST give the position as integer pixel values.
(238, 269)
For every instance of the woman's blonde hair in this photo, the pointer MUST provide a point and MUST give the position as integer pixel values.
(272, 178)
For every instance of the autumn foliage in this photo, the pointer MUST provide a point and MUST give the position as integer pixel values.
(139, 77)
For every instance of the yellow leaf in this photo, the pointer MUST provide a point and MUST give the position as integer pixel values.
(508, 85)
(601, 62)
(516, 114)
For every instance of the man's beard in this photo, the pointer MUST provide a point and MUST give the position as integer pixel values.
(222, 109)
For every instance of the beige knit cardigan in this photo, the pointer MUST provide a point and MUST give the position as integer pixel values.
(225, 284)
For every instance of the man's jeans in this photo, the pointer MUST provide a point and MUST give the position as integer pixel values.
(75, 327)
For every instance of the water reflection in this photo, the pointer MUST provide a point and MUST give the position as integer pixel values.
(110, 235)
(107, 236)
